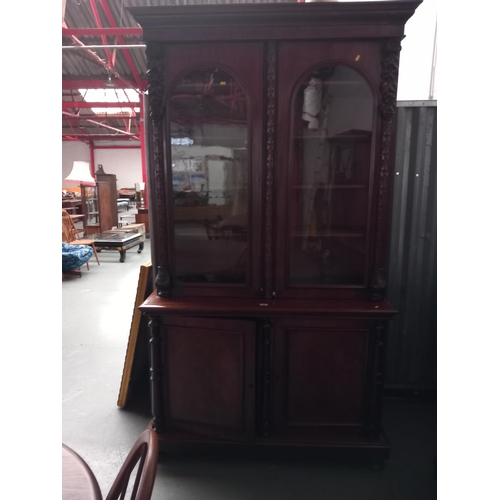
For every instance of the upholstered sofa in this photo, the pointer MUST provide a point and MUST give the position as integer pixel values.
(74, 256)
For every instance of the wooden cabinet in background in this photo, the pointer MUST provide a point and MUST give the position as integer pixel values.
(272, 136)
(108, 196)
(99, 203)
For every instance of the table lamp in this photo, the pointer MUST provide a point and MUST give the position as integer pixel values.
(80, 173)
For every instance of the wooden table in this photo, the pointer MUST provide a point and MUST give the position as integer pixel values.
(78, 481)
(118, 240)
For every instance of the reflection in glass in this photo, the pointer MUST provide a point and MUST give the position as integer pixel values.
(210, 175)
(330, 165)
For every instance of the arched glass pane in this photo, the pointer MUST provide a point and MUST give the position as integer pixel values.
(210, 178)
(330, 170)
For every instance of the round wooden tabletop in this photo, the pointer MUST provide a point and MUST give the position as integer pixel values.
(78, 481)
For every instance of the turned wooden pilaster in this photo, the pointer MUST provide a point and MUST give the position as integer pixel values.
(156, 373)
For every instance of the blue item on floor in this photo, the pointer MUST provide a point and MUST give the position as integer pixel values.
(73, 256)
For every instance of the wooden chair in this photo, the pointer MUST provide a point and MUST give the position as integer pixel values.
(145, 454)
(80, 482)
(71, 235)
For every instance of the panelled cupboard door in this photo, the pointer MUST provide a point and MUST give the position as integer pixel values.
(209, 372)
(320, 378)
(326, 144)
(214, 113)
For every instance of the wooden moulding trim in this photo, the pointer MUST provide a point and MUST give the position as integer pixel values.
(206, 306)
(275, 15)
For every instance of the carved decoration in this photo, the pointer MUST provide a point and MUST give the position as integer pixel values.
(389, 84)
(270, 146)
(156, 373)
(375, 423)
(155, 53)
(156, 65)
(388, 92)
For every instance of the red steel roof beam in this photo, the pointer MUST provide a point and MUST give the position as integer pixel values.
(105, 117)
(71, 127)
(103, 125)
(103, 37)
(135, 120)
(126, 53)
(106, 136)
(125, 121)
(101, 62)
(88, 105)
(72, 138)
(93, 84)
(100, 31)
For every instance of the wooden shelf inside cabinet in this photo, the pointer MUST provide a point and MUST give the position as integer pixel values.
(337, 233)
(339, 137)
(334, 187)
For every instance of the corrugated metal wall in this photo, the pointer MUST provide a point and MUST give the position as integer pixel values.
(412, 282)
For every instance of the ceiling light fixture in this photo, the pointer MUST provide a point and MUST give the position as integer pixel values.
(110, 84)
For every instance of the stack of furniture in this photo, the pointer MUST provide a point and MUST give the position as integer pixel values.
(274, 334)
(72, 205)
(133, 228)
(142, 217)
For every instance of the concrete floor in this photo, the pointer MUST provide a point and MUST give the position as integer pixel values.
(97, 312)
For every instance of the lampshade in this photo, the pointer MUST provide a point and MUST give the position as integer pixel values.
(80, 172)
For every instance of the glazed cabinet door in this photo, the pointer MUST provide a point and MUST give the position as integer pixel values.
(326, 141)
(208, 376)
(90, 207)
(323, 383)
(213, 128)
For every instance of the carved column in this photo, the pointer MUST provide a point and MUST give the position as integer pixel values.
(155, 54)
(156, 373)
(388, 92)
(269, 170)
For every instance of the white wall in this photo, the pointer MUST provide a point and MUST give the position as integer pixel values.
(417, 49)
(416, 53)
(126, 164)
(73, 151)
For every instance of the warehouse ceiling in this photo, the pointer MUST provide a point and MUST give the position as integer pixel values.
(102, 88)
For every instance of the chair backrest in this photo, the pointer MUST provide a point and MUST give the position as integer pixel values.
(69, 232)
(145, 453)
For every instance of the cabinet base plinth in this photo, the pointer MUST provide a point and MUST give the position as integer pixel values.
(344, 447)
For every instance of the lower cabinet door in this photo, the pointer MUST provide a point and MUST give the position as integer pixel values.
(209, 376)
(321, 374)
